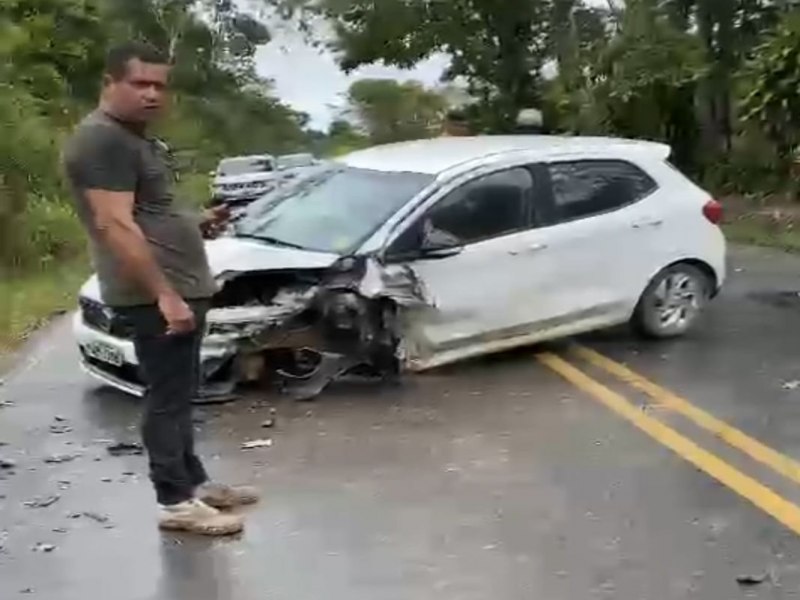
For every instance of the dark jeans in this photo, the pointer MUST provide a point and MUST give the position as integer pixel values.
(170, 366)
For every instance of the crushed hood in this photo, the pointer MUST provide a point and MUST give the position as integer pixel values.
(233, 255)
(228, 254)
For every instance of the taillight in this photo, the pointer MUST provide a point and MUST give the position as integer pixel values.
(712, 210)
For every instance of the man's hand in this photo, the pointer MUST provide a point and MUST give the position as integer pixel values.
(178, 315)
(215, 220)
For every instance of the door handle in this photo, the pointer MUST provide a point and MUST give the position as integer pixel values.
(528, 249)
(647, 223)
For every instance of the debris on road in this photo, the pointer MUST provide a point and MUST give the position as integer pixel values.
(57, 459)
(60, 419)
(59, 530)
(792, 385)
(267, 443)
(268, 424)
(42, 502)
(7, 464)
(6, 404)
(97, 517)
(106, 479)
(41, 547)
(58, 429)
(125, 449)
(749, 580)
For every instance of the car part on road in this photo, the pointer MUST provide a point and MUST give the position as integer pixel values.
(256, 444)
(672, 302)
(42, 502)
(751, 580)
(125, 449)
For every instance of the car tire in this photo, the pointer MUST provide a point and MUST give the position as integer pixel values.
(672, 302)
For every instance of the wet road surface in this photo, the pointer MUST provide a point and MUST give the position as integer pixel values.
(552, 473)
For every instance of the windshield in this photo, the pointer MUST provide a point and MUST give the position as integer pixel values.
(241, 166)
(335, 209)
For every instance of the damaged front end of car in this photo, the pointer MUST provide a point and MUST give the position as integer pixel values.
(299, 330)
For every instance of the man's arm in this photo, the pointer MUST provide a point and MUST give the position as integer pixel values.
(112, 214)
(113, 218)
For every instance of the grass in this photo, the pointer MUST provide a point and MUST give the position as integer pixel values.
(758, 232)
(29, 301)
(754, 234)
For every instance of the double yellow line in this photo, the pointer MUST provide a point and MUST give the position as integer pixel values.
(757, 493)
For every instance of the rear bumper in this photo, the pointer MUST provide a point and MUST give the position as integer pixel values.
(216, 364)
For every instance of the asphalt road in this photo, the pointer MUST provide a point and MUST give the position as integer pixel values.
(551, 473)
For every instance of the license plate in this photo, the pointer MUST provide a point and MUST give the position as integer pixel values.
(105, 353)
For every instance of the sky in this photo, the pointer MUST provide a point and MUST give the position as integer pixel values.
(310, 81)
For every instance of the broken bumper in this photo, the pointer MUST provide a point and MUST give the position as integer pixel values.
(112, 360)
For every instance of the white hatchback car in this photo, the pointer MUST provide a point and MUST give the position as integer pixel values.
(506, 241)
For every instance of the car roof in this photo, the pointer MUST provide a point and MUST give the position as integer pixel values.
(247, 157)
(439, 155)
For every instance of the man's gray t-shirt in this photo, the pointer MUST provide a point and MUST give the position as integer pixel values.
(106, 154)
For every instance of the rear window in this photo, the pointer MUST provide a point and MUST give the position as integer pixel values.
(590, 187)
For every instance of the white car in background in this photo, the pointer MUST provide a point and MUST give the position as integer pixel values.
(244, 178)
(418, 254)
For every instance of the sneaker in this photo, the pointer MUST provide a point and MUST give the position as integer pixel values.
(219, 495)
(195, 516)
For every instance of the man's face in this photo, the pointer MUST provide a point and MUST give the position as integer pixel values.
(140, 95)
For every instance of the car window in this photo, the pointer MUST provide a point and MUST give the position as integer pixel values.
(590, 187)
(244, 166)
(484, 208)
(332, 209)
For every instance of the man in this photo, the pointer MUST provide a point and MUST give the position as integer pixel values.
(456, 124)
(151, 263)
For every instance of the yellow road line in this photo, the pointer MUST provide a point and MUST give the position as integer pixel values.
(780, 463)
(747, 487)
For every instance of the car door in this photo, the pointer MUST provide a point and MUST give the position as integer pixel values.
(472, 250)
(602, 224)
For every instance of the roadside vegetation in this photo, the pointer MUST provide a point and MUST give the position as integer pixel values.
(717, 80)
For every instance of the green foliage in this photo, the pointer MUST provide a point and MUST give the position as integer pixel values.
(773, 79)
(51, 56)
(341, 138)
(645, 81)
(497, 46)
(392, 111)
(660, 69)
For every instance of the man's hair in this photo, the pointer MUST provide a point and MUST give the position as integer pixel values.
(120, 55)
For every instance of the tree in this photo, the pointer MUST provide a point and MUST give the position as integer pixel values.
(773, 77)
(645, 82)
(392, 111)
(497, 46)
(342, 137)
(51, 58)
